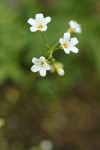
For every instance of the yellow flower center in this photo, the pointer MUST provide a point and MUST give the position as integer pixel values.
(40, 26)
(65, 45)
(70, 30)
(42, 63)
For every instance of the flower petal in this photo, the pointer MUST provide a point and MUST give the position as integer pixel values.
(74, 49)
(67, 50)
(47, 20)
(78, 29)
(44, 28)
(67, 36)
(73, 41)
(33, 29)
(72, 24)
(42, 58)
(47, 67)
(34, 68)
(39, 16)
(42, 72)
(34, 60)
(61, 40)
(31, 21)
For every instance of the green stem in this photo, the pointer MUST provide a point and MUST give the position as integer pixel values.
(56, 48)
(57, 44)
(47, 45)
(49, 54)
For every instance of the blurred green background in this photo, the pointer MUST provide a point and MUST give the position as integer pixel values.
(65, 110)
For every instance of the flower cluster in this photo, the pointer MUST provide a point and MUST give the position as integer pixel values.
(68, 44)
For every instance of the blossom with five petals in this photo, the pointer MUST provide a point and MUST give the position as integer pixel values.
(68, 44)
(39, 23)
(40, 65)
(75, 26)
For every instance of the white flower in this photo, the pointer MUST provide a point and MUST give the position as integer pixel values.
(68, 44)
(75, 26)
(40, 65)
(39, 23)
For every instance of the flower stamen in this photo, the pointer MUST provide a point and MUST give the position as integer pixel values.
(70, 30)
(40, 26)
(65, 45)
(42, 63)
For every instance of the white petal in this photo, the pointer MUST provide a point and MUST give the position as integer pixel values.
(33, 29)
(61, 40)
(31, 21)
(47, 67)
(34, 68)
(42, 72)
(73, 41)
(74, 49)
(72, 24)
(44, 28)
(67, 50)
(78, 30)
(47, 20)
(67, 36)
(39, 16)
(34, 60)
(42, 58)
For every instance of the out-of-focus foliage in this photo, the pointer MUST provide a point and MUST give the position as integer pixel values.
(65, 110)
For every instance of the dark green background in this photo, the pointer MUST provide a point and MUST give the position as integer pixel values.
(65, 110)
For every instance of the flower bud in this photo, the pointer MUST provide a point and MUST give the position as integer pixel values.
(59, 68)
(60, 71)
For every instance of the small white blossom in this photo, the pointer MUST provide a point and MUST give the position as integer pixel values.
(75, 26)
(39, 23)
(68, 44)
(40, 65)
